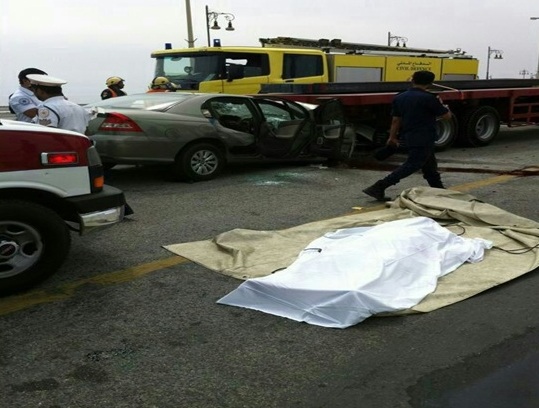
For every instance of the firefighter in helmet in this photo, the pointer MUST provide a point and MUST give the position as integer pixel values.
(161, 84)
(114, 88)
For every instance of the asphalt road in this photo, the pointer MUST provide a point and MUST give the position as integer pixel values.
(124, 323)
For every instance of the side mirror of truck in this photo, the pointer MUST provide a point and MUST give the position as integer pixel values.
(235, 72)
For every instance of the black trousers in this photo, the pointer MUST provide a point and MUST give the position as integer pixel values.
(419, 158)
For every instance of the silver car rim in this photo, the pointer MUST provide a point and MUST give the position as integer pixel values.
(204, 162)
(20, 248)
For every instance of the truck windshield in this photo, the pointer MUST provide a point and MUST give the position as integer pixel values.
(188, 70)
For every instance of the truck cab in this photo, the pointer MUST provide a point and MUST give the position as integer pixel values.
(239, 70)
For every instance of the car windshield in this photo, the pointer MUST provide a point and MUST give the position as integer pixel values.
(147, 101)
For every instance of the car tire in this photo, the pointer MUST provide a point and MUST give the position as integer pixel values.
(34, 242)
(199, 162)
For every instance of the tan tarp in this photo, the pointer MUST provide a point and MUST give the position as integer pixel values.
(245, 254)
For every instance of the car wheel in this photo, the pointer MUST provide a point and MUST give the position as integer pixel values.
(34, 242)
(199, 162)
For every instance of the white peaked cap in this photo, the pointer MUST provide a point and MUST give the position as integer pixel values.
(45, 80)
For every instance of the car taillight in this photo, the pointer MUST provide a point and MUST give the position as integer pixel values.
(59, 158)
(117, 122)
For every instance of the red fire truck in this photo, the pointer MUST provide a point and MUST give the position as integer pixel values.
(479, 106)
(51, 182)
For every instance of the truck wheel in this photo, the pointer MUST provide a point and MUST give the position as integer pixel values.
(346, 146)
(34, 242)
(479, 126)
(199, 162)
(447, 131)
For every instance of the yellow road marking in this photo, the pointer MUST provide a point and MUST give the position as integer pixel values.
(461, 187)
(19, 302)
(483, 183)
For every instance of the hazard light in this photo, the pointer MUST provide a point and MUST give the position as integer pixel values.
(117, 122)
(59, 158)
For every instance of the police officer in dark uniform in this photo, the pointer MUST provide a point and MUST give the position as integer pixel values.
(114, 88)
(414, 114)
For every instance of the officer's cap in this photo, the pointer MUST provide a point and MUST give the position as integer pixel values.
(45, 80)
(28, 71)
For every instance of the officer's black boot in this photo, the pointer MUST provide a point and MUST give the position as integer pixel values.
(377, 190)
(436, 183)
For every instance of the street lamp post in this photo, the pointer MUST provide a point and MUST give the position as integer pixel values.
(212, 16)
(400, 40)
(190, 40)
(537, 73)
(498, 54)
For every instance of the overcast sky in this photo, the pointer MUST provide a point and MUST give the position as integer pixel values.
(85, 42)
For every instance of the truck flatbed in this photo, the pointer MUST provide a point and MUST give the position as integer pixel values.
(381, 87)
(478, 106)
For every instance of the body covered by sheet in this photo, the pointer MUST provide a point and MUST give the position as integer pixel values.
(344, 277)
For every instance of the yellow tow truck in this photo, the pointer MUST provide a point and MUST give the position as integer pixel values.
(288, 60)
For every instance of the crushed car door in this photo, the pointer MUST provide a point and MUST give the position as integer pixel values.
(234, 119)
(286, 129)
(332, 138)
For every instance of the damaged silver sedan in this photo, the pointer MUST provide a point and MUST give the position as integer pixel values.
(198, 134)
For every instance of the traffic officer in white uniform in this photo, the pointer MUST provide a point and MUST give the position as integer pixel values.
(55, 110)
(23, 103)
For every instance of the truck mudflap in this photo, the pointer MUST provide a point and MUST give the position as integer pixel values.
(99, 210)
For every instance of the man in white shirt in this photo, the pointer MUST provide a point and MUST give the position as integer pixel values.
(55, 110)
(23, 103)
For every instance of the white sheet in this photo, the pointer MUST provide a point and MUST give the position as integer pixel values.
(344, 277)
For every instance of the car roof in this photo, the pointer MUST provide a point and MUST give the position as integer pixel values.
(13, 125)
(170, 95)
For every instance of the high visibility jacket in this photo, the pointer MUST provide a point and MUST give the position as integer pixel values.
(112, 93)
